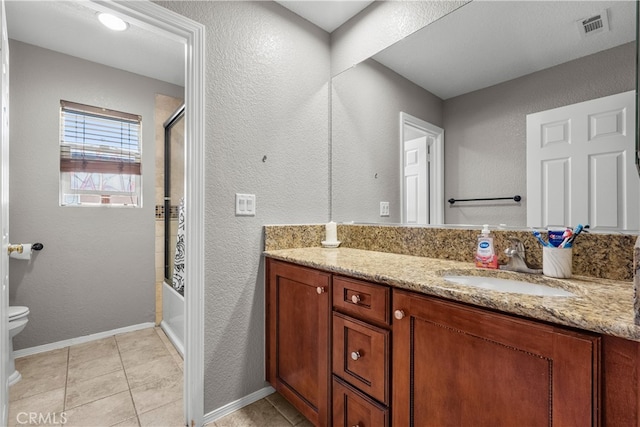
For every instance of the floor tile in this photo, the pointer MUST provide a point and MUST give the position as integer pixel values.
(167, 342)
(170, 415)
(94, 368)
(40, 373)
(146, 351)
(90, 385)
(43, 360)
(92, 350)
(158, 393)
(131, 422)
(152, 371)
(112, 410)
(178, 359)
(286, 409)
(81, 392)
(131, 340)
(49, 402)
(258, 414)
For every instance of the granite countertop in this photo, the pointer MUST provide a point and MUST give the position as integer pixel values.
(600, 305)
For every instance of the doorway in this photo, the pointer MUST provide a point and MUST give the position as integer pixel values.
(422, 171)
(160, 20)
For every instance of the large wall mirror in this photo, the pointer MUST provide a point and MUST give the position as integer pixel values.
(477, 73)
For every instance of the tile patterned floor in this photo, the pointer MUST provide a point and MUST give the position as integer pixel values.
(132, 379)
(272, 411)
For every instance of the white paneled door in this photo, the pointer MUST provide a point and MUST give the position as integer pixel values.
(416, 185)
(580, 165)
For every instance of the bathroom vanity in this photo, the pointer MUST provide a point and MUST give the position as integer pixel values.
(367, 338)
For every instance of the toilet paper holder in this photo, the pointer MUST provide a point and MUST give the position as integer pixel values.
(19, 248)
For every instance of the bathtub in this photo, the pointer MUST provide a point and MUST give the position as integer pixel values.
(173, 316)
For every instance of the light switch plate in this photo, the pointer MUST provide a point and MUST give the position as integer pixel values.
(384, 208)
(245, 204)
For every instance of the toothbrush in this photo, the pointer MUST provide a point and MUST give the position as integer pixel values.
(566, 237)
(537, 235)
(576, 231)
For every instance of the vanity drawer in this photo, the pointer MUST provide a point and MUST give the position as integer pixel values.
(363, 300)
(361, 355)
(353, 408)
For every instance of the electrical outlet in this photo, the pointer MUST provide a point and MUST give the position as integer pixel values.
(384, 208)
(245, 204)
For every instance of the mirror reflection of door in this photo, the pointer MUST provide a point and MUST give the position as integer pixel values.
(421, 146)
(580, 165)
(416, 181)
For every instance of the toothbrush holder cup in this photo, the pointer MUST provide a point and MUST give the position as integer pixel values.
(556, 262)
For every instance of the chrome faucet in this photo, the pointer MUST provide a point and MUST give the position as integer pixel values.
(517, 258)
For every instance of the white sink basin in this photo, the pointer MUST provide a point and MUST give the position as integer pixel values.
(507, 285)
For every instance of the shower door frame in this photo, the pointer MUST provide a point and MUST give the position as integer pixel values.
(168, 125)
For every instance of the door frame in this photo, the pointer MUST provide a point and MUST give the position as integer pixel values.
(436, 171)
(4, 216)
(156, 18)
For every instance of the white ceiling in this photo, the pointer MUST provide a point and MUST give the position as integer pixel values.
(487, 42)
(449, 57)
(327, 14)
(71, 27)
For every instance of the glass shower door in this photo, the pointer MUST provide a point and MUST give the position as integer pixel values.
(173, 186)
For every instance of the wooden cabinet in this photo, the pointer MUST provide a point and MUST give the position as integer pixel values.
(351, 407)
(455, 365)
(361, 353)
(343, 354)
(298, 337)
(620, 382)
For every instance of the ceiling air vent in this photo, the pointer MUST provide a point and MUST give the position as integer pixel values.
(594, 25)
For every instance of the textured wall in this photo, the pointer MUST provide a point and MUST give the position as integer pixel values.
(365, 125)
(380, 25)
(267, 73)
(485, 130)
(96, 272)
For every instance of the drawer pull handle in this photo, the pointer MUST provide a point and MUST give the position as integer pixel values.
(398, 314)
(320, 290)
(357, 425)
(355, 298)
(355, 355)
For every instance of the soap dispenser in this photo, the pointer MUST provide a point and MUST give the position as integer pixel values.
(485, 252)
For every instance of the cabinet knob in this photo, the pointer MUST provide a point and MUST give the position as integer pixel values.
(355, 355)
(398, 314)
(355, 298)
(356, 425)
(320, 290)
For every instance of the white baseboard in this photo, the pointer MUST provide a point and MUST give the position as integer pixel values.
(234, 406)
(73, 341)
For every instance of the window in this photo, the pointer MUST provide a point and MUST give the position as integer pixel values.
(99, 157)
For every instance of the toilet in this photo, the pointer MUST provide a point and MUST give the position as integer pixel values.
(17, 321)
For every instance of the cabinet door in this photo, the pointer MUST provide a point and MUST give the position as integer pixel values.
(352, 408)
(455, 365)
(362, 300)
(298, 331)
(361, 355)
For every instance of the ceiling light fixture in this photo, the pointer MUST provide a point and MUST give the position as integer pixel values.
(112, 22)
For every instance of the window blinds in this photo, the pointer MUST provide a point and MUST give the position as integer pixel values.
(98, 140)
